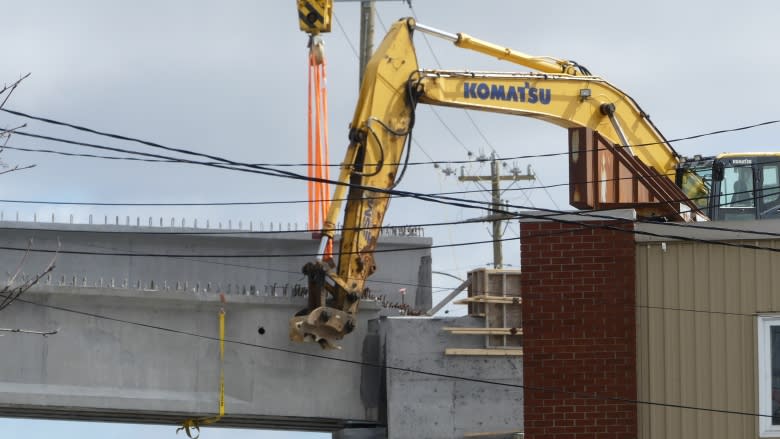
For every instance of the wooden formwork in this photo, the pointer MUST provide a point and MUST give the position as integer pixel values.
(495, 296)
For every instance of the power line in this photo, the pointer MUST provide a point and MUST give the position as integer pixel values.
(237, 166)
(584, 395)
(381, 22)
(233, 203)
(199, 204)
(449, 130)
(243, 167)
(432, 198)
(518, 157)
(592, 213)
(244, 203)
(249, 168)
(346, 37)
(548, 192)
(697, 311)
(431, 161)
(535, 187)
(85, 155)
(545, 187)
(242, 256)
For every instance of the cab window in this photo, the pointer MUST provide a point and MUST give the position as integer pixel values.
(737, 187)
(770, 184)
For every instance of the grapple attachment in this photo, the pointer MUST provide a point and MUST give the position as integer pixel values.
(324, 325)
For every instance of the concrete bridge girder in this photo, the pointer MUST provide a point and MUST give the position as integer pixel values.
(108, 370)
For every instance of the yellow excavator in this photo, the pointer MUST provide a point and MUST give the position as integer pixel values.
(617, 157)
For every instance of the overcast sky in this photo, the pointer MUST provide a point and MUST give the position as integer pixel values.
(229, 78)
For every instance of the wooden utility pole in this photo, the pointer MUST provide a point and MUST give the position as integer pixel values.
(496, 218)
(367, 10)
(367, 13)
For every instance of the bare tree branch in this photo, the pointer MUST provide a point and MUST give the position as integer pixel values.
(9, 131)
(6, 87)
(10, 89)
(9, 293)
(7, 134)
(19, 267)
(17, 168)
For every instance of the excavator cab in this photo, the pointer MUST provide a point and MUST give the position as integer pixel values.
(745, 187)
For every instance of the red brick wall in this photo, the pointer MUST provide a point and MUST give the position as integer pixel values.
(579, 330)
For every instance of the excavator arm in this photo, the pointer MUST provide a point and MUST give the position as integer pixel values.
(564, 94)
(380, 127)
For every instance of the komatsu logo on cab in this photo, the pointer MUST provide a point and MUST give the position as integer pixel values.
(525, 93)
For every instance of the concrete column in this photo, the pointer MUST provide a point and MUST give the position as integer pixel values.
(423, 299)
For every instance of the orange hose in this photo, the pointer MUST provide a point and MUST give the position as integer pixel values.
(324, 187)
(326, 152)
(317, 144)
(318, 150)
(309, 169)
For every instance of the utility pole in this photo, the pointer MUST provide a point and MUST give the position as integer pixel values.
(367, 10)
(367, 13)
(496, 218)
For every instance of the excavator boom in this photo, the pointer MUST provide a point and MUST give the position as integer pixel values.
(564, 100)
